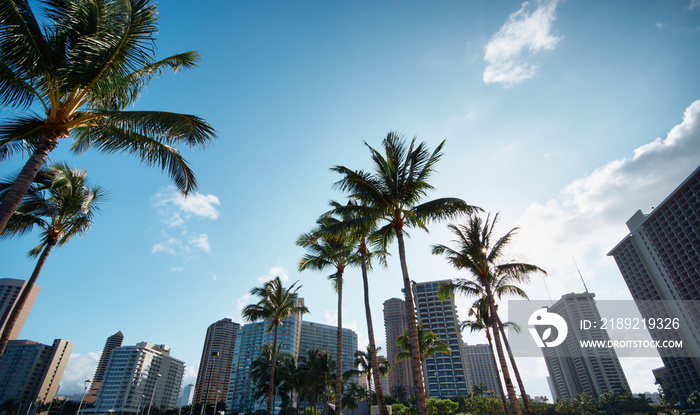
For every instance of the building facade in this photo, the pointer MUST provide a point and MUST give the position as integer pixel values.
(482, 367)
(574, 369)
(112, 343)
(446, 375)
(186, 396)
(138, 376)
(660, 262)
(325, 338)
(30, 372)
(251, 337)
(10, 289)
(400, 375)
(215, 365)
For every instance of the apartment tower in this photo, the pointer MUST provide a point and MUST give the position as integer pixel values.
(10, 289)
(482, 366)
(137, 376)
(30, 372)
(112, 343)
(395, 325)
(215, 365)
(660, 262)
(446, 375)
(574, 369)
(325, 338)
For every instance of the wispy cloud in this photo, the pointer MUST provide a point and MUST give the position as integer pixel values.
(588, 216)
(185, 243)
(509, 53)
(175, 209)
(275, 271)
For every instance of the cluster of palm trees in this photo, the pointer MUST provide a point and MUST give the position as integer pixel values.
(70, 75)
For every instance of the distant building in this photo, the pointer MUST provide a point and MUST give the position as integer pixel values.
(10, 290)
(660, 261)
(395, 325)
(138, 375)
(186, 396)
(574, 369)
(31, 371)
(251, 338)
(112, 343)
(215, 365)
(446, 375)
(482, 366)
(325, 338)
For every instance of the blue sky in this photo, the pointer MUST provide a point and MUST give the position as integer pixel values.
(565, 116)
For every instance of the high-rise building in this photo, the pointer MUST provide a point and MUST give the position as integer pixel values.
(574, 369)
(112, 343)
(251, 337)
(482, 366)
(215, 365)
(325, 338)
(10, 289)
(446, 375)
(31, 371)
(186, 396)
(660, 262)
(137, 376)
(395, 325)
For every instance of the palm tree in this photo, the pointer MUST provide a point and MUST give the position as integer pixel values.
(479, 254)
(428, 346)
(392, 196)
(79, 66)
(260, 373)
(316, 370)
(364, 365)
(62, 205)
(274, 305)
(331, 250)
(365, 233)
(353, 393)
(481, 321)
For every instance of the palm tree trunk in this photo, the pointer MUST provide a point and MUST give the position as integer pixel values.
(339, 352)
(24, 180)
(501, 357)
(521, 386)
(19, 305)
(370, 333)
(271, 392)
(500, 384)
(412, 328)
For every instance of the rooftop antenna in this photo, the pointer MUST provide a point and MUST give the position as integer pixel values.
(547, 288)
(579, 274)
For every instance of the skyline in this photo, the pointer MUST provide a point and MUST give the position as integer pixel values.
(551, 111)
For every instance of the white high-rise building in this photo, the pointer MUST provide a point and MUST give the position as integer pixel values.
(660, 262)
(482, 366)
(574, 369)
(324, 337)
(138, 375)
(446, 375)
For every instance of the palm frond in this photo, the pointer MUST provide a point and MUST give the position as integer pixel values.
(20, 135)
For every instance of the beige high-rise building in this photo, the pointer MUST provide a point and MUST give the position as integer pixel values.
(112, 343)
(215, 365)
(395, 325)
(10, 289)
(30, 372)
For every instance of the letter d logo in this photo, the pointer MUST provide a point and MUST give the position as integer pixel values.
(543, 318)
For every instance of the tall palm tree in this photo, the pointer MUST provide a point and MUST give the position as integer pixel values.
(428, 346)
(481, 321)
(331, 250)
(364, 365)
(478, 253)
(316, 370)
(260, 373)
(73, 72)
(365, 233)
(392, 196)
(274, 305)
(62, 205)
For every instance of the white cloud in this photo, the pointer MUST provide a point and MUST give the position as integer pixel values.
(175, 209)
(659, 25)
(694, 4)
(190, 375)
(200, 241)
(275, 271)
(527, 32)
(588, 217)
(79, 368)
(181, 246)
